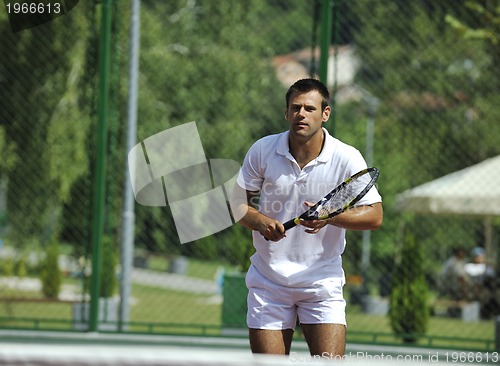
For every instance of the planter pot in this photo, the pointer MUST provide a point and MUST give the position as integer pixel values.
(178, 265)
(375, 305)
(141, 262)
(234, 305)
(108, 312)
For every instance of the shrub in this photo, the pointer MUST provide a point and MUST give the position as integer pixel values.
(7, 266)
(109, 282)
(22, 266)
(51, 275)
(409, 312)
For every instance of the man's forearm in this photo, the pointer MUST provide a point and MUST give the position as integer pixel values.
(252, 218)
(269, 228)
(368, 217)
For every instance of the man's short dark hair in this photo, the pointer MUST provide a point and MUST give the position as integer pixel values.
(307, 85)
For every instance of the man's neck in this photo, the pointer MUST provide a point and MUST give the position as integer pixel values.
(306, 150)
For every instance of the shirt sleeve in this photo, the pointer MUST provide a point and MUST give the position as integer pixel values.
(356, 164)
(251, 175)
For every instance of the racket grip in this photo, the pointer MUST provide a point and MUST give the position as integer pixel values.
(291, 223)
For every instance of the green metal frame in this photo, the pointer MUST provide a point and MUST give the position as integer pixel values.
(100, 163)
(325, 38)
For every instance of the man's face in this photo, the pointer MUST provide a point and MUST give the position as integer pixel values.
(304, 114)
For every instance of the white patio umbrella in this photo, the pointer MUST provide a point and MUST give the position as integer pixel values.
(473, 191)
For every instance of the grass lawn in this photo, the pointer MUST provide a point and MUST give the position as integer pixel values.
(164, 306)
(155, 305)
(445, 332)
(197, 268)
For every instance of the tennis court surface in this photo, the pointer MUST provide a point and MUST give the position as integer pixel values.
(75, 349)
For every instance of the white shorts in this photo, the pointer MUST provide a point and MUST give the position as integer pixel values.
(275, 307)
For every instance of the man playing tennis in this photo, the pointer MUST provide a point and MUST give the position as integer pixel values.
(298, 273)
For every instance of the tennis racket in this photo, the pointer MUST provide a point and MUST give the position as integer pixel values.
(342, 198)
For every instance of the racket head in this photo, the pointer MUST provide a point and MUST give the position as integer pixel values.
(344, 196)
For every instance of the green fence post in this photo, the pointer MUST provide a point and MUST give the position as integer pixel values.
(325, 42)
(325, 39)
(100, 164)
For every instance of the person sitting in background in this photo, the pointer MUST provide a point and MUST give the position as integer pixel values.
(477, 269)
(480, 275)
(454, 280)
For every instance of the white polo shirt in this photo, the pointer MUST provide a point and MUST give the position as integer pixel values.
(300, 259)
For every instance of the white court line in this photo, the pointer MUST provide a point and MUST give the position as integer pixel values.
(35, 348)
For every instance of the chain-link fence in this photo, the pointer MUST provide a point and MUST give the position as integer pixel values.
(415, 87)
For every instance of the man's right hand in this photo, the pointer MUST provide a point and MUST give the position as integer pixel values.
(271, 229)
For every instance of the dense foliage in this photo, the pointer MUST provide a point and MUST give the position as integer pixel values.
(211, 62)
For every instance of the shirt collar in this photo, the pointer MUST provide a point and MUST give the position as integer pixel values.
(328, 148)
(324, 156)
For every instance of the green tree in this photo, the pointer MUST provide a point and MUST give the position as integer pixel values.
(212, 67)
(489, 14)
(437, 94)
(40, 123)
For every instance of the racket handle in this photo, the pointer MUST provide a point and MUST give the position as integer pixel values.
(291, 223)
(288, 225)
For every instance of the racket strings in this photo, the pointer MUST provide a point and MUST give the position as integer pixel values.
(343, 197)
